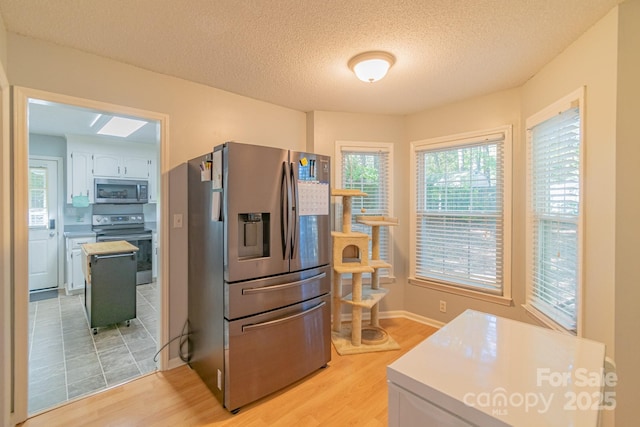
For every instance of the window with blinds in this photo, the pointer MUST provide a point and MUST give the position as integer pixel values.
(38, 206)
(459, 201)
(367, 167)
(554, 157)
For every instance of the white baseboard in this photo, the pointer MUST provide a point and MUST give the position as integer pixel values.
(399, 313)
(174, 363)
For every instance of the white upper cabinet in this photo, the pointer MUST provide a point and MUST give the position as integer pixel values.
(106, 165)
(89, 158)
(136, 167)
(79, 176)
(115, 166)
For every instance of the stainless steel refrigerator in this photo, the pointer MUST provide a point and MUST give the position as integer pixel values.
(259, 269)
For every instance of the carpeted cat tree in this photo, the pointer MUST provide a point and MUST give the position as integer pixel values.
(351, 256)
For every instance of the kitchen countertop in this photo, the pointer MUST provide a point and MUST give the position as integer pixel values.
(72, 231)
(102, 248)
(479, 366)
(108, 248)
(74, 234)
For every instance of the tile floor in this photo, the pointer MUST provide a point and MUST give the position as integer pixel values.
(67, 361)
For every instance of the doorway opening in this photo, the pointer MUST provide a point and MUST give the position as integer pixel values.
(58, 358)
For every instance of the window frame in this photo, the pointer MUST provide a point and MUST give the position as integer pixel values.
(451, 141)
(368, 147)
(572, 100)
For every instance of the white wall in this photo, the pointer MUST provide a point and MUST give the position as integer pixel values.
(48, 145)
(486, 112)
(200, 117)
(590, 61)
(178, 180)
(627, 291)
(5, 238)
(3, 45)
(325, 129)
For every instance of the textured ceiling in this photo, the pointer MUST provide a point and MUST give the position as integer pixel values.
(294, 53)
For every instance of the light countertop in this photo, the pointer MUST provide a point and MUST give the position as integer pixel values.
(73, 231)
(472, 364)
(108, 248)
(103, 248)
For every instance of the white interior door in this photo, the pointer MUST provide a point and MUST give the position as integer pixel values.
(43, 224)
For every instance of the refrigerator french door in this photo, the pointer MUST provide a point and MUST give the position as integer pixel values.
(276, 203)
(259, 274)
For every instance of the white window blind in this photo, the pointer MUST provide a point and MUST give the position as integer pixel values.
(554, 212)
(367, 167)
(459, 213)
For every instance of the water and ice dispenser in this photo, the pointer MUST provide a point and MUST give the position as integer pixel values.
(253, 235)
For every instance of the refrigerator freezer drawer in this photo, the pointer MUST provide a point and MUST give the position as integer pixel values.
(270, 351)
(258, 296)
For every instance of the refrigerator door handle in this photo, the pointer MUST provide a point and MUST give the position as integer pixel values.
(294, 209)
(282, 286)
(247, 328)
(284, 211)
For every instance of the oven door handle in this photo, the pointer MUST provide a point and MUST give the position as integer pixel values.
(282, 286)
(124, 237)
(253, 327)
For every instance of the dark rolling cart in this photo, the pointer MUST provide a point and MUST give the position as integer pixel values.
(110, 285)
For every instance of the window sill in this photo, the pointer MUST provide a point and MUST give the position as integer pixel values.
(497, 299)
(546, 321)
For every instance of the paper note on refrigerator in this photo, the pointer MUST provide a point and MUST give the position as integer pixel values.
(216, 169)
(313, 198)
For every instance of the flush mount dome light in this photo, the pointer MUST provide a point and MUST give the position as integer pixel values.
(371, 66)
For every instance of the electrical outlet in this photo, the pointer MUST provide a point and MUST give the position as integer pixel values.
(219, 380)
(443, 306)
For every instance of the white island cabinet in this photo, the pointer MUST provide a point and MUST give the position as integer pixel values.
(483, 370)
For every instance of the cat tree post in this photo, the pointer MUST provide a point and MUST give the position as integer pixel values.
(351, 256)
(375, 222)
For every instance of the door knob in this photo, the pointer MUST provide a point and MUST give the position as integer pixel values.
(52, 233)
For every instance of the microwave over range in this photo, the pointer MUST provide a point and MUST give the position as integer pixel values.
(121, 191)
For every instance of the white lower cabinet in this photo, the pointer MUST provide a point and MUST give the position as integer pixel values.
(75, 277)
(485, 370)
(408, 410)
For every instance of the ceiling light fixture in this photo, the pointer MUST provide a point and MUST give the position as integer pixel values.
(120, 126)
(371, 66)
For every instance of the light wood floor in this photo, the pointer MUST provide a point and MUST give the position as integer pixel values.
(351, 391)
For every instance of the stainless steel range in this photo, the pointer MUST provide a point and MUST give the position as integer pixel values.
(125, 222)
